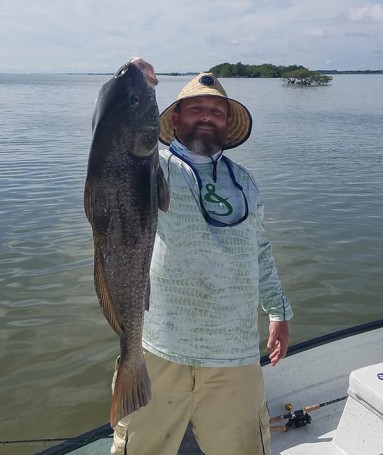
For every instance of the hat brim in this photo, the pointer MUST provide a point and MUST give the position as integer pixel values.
(239, 128)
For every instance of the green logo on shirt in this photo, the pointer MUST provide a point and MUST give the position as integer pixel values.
(213, 197)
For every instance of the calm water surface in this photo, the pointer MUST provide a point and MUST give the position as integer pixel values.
(317, 154)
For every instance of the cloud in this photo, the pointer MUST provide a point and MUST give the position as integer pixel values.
(179, 35)
(368, 13)
(318, 32)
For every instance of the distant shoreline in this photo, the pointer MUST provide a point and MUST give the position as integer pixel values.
(319, 71)
(191, 73)
(350, 72)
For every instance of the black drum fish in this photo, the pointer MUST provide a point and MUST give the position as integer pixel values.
(124, 188)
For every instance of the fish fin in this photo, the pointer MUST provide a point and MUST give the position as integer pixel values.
(103, 293)
(163, 190)
(132, 390)
(88, 201)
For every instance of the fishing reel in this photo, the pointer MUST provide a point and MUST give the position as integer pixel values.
(295, 419)
(299, 419)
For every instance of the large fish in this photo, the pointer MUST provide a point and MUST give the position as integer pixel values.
(124, 188)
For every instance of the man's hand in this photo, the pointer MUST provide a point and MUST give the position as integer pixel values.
(278, 340)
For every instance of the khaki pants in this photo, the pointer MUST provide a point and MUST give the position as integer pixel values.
(226, 407)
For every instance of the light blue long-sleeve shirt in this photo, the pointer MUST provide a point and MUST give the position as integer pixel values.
(207, 281)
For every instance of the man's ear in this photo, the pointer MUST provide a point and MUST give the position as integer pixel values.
(229, 120)
(174, 118)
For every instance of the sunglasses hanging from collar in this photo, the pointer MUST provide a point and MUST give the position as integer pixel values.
(208, 218)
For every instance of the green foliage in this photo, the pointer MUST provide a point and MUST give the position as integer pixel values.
(292, 74)
(306, 77)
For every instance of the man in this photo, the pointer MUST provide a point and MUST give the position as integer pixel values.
(212, 263)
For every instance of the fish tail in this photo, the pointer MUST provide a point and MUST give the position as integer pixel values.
(132, 391)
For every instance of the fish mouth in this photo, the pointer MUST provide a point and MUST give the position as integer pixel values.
(146, 69)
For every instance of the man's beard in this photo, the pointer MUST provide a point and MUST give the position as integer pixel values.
(204, 146)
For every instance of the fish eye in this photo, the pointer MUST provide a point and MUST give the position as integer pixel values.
(134, 100)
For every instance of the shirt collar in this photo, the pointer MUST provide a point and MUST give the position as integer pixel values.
(182, 150)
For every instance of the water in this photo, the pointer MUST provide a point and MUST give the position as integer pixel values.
(317, 154)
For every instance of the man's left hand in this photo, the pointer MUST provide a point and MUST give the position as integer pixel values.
(278, 340)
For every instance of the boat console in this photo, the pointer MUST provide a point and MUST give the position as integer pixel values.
(360, 430)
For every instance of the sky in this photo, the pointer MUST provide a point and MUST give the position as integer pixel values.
(182, 36)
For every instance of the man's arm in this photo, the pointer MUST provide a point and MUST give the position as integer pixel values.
(272, 298)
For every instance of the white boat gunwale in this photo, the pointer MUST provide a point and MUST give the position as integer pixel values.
(105, 431)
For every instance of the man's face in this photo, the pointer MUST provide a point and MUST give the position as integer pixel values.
(202, 123)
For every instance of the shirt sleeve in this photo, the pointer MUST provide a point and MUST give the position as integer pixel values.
(271, 296)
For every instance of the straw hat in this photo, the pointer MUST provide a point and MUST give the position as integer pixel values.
(208, 84)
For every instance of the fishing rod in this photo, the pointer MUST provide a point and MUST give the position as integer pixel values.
(299, 418)
(45, 440)
(102, 432)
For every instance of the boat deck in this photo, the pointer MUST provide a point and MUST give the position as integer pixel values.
(304, 380)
